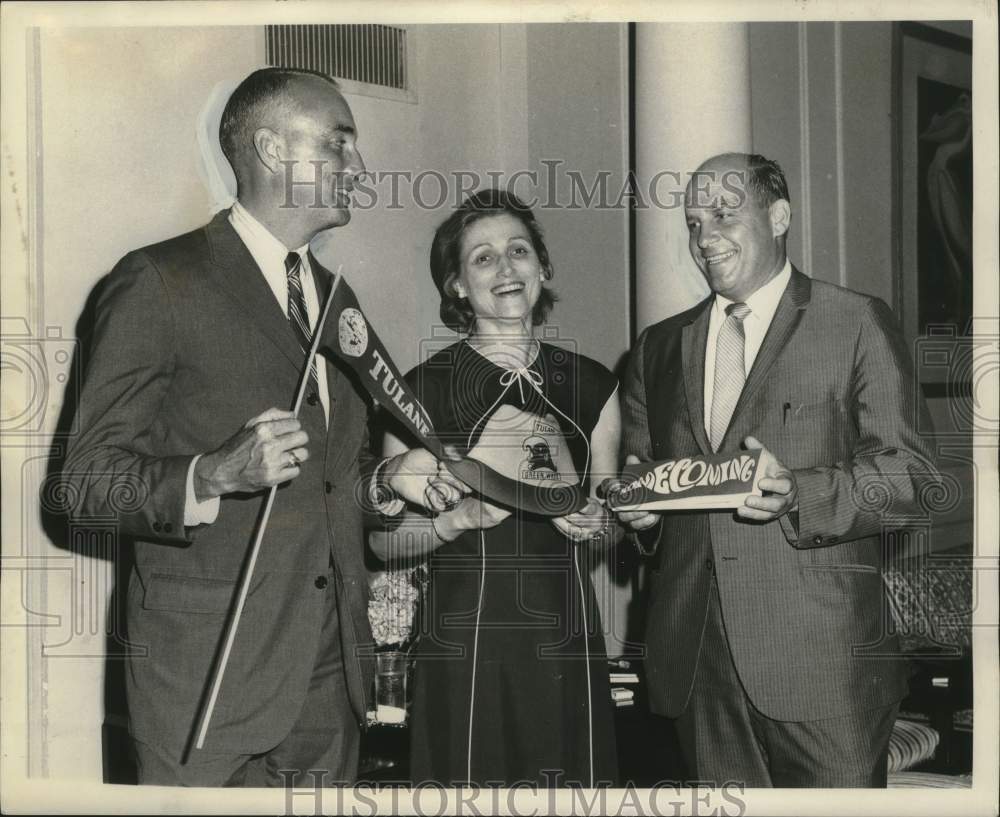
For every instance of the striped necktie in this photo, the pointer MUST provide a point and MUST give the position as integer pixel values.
(298, 315)
(730, 372)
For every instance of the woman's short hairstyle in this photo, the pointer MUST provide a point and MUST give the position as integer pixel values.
(446, 254)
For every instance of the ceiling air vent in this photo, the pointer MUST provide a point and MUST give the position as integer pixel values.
(371, 60)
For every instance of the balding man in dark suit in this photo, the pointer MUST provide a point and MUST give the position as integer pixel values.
(765, 627)
(198, 342)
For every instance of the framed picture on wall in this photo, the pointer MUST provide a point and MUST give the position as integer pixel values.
(933, 99)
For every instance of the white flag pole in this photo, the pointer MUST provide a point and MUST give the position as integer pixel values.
(237, 612)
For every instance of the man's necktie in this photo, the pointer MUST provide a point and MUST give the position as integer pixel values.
(730, 372)
(298, 315)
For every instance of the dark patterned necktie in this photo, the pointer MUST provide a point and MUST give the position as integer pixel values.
(730, 372)
(298, 315)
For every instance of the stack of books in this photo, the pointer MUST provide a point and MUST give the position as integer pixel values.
(621, 675)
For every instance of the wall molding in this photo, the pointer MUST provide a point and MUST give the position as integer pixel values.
(838, 102)
(805, 152)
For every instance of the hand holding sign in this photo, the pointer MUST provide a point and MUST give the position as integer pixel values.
(692, 482)
(469, 514)
(781, 491)
(637, 520)
(587, 524)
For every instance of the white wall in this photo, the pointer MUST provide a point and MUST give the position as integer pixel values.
(536, 92)
(821, 107)
(577, 115)
(119, 157)
(453, 127)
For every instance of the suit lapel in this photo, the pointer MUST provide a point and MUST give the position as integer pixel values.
(786, 318)
(241, 278)
(693, 338)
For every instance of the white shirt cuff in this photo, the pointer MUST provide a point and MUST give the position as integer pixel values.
(195, 512)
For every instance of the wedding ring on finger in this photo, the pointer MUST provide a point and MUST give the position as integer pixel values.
(295, 462)
(601, 532)
(449, 498)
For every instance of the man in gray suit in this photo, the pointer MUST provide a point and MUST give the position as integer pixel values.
(197, 351)
(765, 628)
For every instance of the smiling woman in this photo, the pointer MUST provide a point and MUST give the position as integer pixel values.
(511, 682)
(492, 242)
(501, 276)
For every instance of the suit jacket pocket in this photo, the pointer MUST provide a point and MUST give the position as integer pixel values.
(809, 411)
(188, 594)
(842, 579)
(816, 433)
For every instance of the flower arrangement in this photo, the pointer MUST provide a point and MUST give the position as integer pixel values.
(392, 604)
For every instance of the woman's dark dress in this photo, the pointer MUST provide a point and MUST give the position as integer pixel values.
(524, 681)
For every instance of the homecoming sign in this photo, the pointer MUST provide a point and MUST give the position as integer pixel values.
(704, 483)
(348, 335)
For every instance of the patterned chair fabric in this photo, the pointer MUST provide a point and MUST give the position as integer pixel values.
(910, 745)
(963, 720)
(931, 602)
(925, 780)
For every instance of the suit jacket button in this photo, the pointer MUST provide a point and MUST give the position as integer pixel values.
(709, 565)
(157, 527)
(312, 399)
(817, 540)
(167, 527)
(328, 486)
(321, 582)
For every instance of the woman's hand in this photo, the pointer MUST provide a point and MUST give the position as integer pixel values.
(638, 520)
(444, 490)
(586, 524)
(481, 515)
(418, 477)
(469, 514)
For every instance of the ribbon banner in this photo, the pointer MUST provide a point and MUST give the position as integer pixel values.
(690, 483)
(532, 475)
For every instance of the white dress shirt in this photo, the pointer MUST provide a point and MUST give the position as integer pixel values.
(763, 304)
(270, 254)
